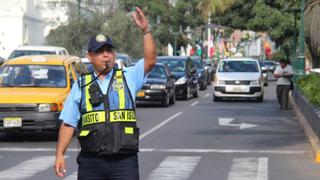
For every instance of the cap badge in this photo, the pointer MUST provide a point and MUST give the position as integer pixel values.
(101, 38)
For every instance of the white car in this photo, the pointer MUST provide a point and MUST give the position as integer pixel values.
(238, 77)
(37, 50)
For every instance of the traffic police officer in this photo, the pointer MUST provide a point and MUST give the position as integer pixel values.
(102, 106)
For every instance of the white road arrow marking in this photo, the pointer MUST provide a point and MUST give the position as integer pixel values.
(227, 122)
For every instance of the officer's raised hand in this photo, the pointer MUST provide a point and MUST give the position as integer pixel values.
(149, 45)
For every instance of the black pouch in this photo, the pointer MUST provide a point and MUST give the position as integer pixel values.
(93, 138)
(126, 138)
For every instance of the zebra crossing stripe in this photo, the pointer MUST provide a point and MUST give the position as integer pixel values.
(249, 169)
(72, 176)
(175, 168)
(28, 168)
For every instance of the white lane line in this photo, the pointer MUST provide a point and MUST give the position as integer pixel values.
(72, 176)
(219, 151)
(175, 168)
(224, 151)
(262, 169)
(194, 103)
(28, 168)
(249, 169)
(207, 95)
(159, 125)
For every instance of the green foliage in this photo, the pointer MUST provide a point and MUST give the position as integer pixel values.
(125, 35)
(268, 16)
(309, 85)
(118, 25)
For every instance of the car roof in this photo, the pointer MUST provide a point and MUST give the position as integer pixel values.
(240, 59)
(40, 48)
(173, 57)
(42, 59)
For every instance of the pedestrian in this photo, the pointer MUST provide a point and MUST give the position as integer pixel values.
(102, 106)
(283, 73)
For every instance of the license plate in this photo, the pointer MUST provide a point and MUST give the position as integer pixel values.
(237, 89)
(140, 94)
(10, 122)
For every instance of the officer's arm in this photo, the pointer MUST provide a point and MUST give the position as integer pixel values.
(65, 136)
(149, 48)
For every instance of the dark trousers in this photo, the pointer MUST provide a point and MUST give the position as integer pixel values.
(114, 167)
(283, 95)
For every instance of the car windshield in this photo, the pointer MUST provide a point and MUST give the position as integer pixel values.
(238, 66)
(32, 76)
(268, 63)
(174, 65)
(198, 63)
(18, 53)
(158, 73)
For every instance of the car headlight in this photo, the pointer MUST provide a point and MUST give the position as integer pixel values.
(181, 81)
(219, 82)
(47, 107)
(255, 82)
(157, 86)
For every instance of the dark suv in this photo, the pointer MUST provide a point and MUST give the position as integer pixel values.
(185, 74)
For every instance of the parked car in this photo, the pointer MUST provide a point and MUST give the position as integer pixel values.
(37, 50)
(159, 86)
(185, 74)
(264, 71)
(270, 65)
(33, 90)
(238, 77)
(203, 73)
(211, 69)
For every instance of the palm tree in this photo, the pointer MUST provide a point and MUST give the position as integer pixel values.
(210, 7)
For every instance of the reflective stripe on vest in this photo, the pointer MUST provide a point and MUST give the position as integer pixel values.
(88, 104)
(122, 116)
(93, 117)
(120, 90)
(115, 116)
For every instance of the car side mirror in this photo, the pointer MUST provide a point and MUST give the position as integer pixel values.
(263, 69)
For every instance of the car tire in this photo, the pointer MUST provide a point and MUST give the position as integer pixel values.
(265, 84)
(260, 98)
(187, 95)
(173, 99)
(196, 94)
(216, 99)
(166, 101)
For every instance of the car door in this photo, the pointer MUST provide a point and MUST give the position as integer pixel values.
(192, 74)
(170, 79)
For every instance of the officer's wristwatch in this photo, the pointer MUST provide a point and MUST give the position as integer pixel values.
(147, 30)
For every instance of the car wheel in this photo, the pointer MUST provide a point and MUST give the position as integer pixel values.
(260, 99)
(196, 94)
(173, 99)
(187, 95)
(166, 101)
(216, 99)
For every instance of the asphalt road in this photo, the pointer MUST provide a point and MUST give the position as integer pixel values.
(197, 140)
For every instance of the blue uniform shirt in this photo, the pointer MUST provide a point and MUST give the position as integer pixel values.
(135, 79)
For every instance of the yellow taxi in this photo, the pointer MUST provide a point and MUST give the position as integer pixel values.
(33, 90)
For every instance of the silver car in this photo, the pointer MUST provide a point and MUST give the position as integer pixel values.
(238, 77)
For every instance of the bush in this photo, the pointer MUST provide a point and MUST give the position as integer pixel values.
(309, 85)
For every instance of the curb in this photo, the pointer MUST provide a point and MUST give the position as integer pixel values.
(312, 137)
